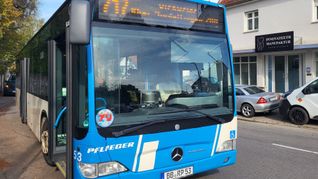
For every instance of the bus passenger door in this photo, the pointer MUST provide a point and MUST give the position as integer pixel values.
(57, 102)
(23, 92)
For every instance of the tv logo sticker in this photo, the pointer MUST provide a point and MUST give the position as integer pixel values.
(104, 118)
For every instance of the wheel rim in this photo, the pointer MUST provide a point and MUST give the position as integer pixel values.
(45, 142)
(298, 116)
(246, 110)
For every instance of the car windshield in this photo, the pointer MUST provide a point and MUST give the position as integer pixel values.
(254, 90)
(145, 74)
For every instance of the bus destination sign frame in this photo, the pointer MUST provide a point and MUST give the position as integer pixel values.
(167, 13)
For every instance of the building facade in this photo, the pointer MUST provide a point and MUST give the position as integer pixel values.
(290, 56)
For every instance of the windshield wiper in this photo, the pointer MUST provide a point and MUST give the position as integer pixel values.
(214, 118)
(132, 129)
(147, 124)
(186, 108)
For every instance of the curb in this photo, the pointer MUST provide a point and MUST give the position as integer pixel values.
(277, 123)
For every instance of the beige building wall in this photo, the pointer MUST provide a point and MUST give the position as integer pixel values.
(276, 16)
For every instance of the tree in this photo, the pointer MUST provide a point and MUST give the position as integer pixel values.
(18, 23)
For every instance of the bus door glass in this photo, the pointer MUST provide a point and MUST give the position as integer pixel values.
(23, 92)
(60, 87)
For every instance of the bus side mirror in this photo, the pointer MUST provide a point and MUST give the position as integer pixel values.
(80, 17)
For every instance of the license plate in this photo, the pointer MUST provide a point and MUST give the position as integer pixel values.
(180, 173)
(273, 99)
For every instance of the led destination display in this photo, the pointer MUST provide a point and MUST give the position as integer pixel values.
(172, 13)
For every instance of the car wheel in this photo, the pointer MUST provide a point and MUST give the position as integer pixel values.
(45, 142)
(247, 110)
(298, 116)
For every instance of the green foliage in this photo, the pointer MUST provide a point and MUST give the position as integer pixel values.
(18, 23)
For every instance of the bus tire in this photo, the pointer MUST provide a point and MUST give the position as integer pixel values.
(298, 116)
(45, 141)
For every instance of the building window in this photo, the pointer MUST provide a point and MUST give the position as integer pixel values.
(245, 70)
(315, 11)
(251, 21)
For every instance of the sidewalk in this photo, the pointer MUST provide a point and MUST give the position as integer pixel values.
(5, 102)
(20, 151)
(276, 119)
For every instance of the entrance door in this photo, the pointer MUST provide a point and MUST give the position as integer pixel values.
(23, 92)
(280, 74)
(57, 99)
(287, 73)
(60, 94)
(293, 72)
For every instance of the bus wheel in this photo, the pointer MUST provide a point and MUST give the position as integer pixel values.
(298, 116)
(45, 142)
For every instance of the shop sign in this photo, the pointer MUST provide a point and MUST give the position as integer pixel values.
(275, 42)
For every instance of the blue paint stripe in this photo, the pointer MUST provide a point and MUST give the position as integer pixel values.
(231, 61)
(91, 94)
(205, 2)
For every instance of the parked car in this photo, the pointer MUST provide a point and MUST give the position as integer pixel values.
(251, 100)
(301, 105)
(9, 86)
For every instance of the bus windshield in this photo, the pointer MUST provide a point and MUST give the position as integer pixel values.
(144, 74)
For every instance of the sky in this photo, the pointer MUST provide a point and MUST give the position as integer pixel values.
(48, 7)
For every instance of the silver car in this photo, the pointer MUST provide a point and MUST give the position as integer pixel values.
(251, 100)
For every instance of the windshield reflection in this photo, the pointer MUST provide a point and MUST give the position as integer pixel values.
(142, 73)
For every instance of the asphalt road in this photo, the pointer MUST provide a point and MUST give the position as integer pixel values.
(264, 151)
(268, 151)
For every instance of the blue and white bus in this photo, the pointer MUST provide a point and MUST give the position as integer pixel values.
(131, 89)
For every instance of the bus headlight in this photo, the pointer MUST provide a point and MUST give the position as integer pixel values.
(88, 170)
(227, 146)
(110, 168)
(101, 169)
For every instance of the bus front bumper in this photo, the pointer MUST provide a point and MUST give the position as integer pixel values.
(217, 161)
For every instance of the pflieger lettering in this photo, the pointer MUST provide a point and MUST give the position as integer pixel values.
(110, 147)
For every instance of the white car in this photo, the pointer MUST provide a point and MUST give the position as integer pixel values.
(301, 105)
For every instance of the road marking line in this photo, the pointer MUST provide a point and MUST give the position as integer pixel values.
(294, 148)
